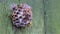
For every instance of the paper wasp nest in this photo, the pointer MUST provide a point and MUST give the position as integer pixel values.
(21, 15)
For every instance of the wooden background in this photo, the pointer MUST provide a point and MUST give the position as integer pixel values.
(46, 17)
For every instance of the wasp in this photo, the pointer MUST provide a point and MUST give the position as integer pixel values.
(21, 15)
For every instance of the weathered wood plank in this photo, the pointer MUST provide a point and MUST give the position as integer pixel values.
(5, 22)
(53, 16)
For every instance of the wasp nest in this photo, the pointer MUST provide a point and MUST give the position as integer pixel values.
(21, 15)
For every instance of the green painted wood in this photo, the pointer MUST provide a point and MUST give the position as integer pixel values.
(5, 22)
(52, 8)
(37, 22)
(53, 16)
